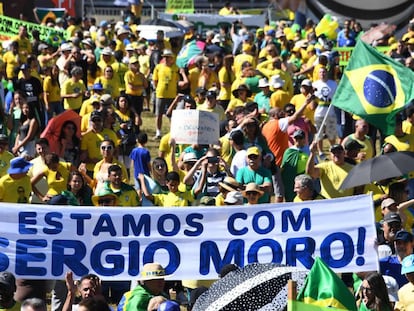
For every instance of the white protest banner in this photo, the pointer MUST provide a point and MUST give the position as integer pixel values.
(192, 242)
(195, 127)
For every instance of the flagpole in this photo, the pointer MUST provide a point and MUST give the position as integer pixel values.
(318, 134)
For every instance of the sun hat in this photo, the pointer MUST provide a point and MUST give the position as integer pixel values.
(230, 184)
(242, 87)
(122, 31)
(66, 47)
(263, 83)
(152, 271)
(234, 197)
(104, 192)
(306, 82)
(19, 165)
(252, 187)
(277, 82)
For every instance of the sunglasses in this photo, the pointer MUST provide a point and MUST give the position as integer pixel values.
(253, 157)
(252, 193)
(106, 148)
(105, 201)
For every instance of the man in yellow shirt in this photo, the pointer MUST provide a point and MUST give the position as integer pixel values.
(331, 173)
(73, 90)
(15, 186)
(127, 195)
(25, 46)
(174, 197)
(165, 78)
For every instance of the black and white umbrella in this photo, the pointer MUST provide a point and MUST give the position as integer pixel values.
(254, 287)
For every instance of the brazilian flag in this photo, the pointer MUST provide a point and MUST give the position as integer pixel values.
(374, 87)
(325, 289)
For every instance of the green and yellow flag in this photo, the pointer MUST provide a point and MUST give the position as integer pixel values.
(374, 87)
(325, 289)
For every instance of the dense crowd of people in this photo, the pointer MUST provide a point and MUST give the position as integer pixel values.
(273, 98)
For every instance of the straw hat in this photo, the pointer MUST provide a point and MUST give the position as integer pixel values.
(252, 187)
(152, 271)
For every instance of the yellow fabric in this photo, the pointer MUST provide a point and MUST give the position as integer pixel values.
(167, 78)
(368, 147)
(119, 70)
(226, 150)
(405, 298)
(114, 162)
(193, 75)
(144, 64)
(91, 143)
(298, 100)
(226, 77)
(70, 87)
(11, 62)
(5, 158)
(403, 143)
(174, 199)
(15, 190)
(24, 44)
(279, 98)
(240, 59)
(128, 197)
(135, 80)
(210, 81)
(57, 181)
(111, 86)
(53, 90)
(235, 102)
(16, 307)
(331, 177)
(217, 109)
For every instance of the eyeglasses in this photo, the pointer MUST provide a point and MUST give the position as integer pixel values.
(105, 201)
(106, 148)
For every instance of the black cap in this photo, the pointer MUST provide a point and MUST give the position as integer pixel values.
(352, 144)
(189, 99)
(201, 90)
(211, 94)
(392, 217)
(299, 134)
(403, 235)
(4, 138)
(336, 147)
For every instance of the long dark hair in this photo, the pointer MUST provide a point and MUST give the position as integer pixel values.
(84, 191)
(75, 139)
(379, 289)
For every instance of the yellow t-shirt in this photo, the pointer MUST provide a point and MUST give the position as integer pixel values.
(279, 99)
(217, 109)
(11, 61)
(5, 158)
(111, 86)
(298, 100)
(58, 180)
(91, 143)
(174, 199)
(15, 190)
(53, 90)
(127, 196)
(225, 77)
(70, 87)
(193, 75)
(331, 177)
(135, 80)
(119, 70)
(167, 80)
(239, 60)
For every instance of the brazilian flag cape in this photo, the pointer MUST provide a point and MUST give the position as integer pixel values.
(325, 289)
(290, 171)
(374, 87)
